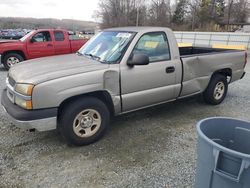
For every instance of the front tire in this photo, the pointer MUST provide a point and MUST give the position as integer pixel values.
(84, 121)
(11, 59)
(216, 90)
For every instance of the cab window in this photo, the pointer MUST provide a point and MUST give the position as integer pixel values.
(43, 36)
(59, 36)
(154, 45)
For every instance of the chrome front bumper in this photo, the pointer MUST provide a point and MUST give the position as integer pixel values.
(40, 125)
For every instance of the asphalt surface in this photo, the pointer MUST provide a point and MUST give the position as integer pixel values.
(155, 147)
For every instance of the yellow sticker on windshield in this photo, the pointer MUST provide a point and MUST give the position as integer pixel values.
(151, 44)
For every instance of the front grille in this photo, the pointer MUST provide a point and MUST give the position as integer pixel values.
(10, 88)
(10, 96)
(11, 81)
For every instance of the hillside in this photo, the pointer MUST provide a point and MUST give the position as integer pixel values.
(33, 23)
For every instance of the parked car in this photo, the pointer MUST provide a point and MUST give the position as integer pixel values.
(38, 43)
(118, 71)
(12, 33)
(4, 34)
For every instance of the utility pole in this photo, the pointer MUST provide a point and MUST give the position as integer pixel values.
(212, 10)
(229, 13)
(137, 16)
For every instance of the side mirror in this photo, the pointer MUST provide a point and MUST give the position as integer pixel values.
(32, 40)
(138, 59)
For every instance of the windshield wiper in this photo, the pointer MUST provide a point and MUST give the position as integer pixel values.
(93, 56)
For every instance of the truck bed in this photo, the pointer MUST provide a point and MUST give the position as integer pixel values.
(190, 51)
(76, 44)
(199, 63)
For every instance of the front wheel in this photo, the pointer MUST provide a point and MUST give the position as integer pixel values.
(11, 59)
(216, 90)
(84, 121)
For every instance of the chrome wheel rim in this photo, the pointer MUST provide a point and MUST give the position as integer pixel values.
(87, 123)
(219, 90)
(12, 61)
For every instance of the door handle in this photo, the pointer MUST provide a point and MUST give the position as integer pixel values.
(170, 70)
(49, 45)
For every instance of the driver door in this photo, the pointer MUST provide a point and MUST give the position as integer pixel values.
(41, 45)
(151, 84)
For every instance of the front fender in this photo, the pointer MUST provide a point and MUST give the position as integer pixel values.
(13, 47)
(52, 93)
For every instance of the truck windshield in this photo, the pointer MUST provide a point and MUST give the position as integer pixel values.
(26, 36)
(107, 46)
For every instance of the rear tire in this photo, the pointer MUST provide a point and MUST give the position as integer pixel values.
(216, 90)
(11, 59)
(84, 121)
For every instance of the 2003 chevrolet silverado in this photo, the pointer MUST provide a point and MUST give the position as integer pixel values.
(118, 71)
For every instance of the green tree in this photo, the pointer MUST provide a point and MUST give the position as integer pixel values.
(180, 12)
(205, 13)
(220, 8)
(217, 10)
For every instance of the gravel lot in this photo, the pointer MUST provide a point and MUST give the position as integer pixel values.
(155, 147)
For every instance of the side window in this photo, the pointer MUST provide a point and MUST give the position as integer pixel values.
(154, 45)
(43, 36)
(59, 36)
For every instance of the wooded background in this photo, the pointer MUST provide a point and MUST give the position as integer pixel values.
(202, 15)
(35, 23)
(182, 15)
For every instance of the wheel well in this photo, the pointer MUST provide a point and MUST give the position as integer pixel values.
(225, 72)
(104, 96)
(13, 51)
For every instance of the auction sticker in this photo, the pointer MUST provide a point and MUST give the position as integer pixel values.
(123, 35)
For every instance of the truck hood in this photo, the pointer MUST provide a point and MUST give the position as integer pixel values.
(43, 69)
(9, 41)
(6, 45)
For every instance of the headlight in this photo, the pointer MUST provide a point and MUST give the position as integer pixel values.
(23, 103)
(23, 95)
(25, 89)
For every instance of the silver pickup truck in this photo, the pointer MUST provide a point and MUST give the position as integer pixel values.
(118, 71)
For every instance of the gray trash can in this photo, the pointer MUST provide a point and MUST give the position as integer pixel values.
(223, 153)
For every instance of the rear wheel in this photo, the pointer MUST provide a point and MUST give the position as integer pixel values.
(11, 59)
(216, 90)
(84, 121)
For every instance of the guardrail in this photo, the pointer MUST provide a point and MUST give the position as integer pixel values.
(214, 38)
